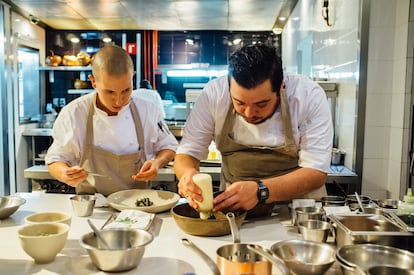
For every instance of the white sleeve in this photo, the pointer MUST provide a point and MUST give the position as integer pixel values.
(205, 120)
(316, 131)
(67, 139)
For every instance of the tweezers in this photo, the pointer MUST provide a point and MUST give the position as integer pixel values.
(97, 174)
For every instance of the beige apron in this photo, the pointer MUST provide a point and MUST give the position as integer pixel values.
(119, 168)
(241, 162)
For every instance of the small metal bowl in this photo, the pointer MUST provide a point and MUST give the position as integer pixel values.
(353, 199)
(9, 205)
(305, 257)
(388, 203)
(333, 201)
(127, 248)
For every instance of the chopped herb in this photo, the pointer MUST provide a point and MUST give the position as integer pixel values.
(143, 202)
(127, 220)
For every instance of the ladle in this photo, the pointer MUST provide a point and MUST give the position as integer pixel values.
(359, 202)
(98, 234)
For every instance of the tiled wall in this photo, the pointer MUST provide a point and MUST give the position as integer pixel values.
(332, 52)
(388, 118)
(313, 48)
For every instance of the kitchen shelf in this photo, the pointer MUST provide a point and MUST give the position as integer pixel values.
(65, 68)
(80, 91)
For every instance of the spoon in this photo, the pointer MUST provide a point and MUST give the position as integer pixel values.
(359, 202)
(98, 234)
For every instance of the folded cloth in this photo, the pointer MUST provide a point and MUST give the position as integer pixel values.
(337, 210)
(131, 218)
(101, 201)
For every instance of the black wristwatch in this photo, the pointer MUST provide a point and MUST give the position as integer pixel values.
(262, 192)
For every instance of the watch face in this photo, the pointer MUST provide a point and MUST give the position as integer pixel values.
(263, 193)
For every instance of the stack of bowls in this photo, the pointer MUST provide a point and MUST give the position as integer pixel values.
(358, 258)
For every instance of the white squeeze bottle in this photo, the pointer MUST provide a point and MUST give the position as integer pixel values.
(204, 182)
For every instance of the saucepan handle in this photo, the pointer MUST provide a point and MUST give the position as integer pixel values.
(268, 255)
(202, 254)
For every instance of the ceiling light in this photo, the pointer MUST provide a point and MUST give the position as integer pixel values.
(74, 40)
(277, 30)
(237, 41)
(189, 41)
(106, 39)
(282, 18)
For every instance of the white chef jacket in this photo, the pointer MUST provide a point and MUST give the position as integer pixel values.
(310, 117)
(151, 95)
(112, 133)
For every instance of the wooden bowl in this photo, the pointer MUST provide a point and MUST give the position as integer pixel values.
(188, 219)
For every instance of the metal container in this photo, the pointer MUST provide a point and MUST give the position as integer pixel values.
(308, 213)
(83, 205)
(9, 205)
(314, 230)
(333, 201)
(387, 270)
(370, 228)
(305, 257)
(361, 257)
(127, 248)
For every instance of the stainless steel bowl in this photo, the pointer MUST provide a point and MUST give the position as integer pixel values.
(305, 257)
(9, 205)
(388, 203)
(333, 201)
(308, 213)
(388, 270)
(365, 256)
(127, 248)
(353, 199)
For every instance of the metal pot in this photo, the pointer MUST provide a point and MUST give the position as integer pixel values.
(238, 258)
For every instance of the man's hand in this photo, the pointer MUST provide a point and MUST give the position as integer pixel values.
(238, 195)
(148, 171)
(73, 175)
(187, 189)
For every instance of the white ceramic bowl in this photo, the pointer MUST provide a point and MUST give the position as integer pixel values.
(47, 217)
(43, 241)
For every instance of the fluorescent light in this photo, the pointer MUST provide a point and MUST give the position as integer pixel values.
(196, 73)
(237, 41)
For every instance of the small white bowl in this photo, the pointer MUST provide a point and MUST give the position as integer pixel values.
(47, 217)
(43, 241)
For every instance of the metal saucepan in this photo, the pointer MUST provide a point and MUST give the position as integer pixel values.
(238, 258)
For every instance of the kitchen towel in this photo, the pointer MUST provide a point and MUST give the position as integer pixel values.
(131, 218)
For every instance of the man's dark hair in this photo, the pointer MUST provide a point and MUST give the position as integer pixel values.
(145, 84)
(251, 65)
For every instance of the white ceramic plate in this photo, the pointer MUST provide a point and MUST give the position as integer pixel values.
(163, 200)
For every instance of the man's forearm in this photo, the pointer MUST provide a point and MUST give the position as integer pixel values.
(183, 163)
(164, 157)
(56, 168)
(294, 184)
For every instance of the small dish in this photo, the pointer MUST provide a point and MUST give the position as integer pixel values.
(48, 217)
(126, 199)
